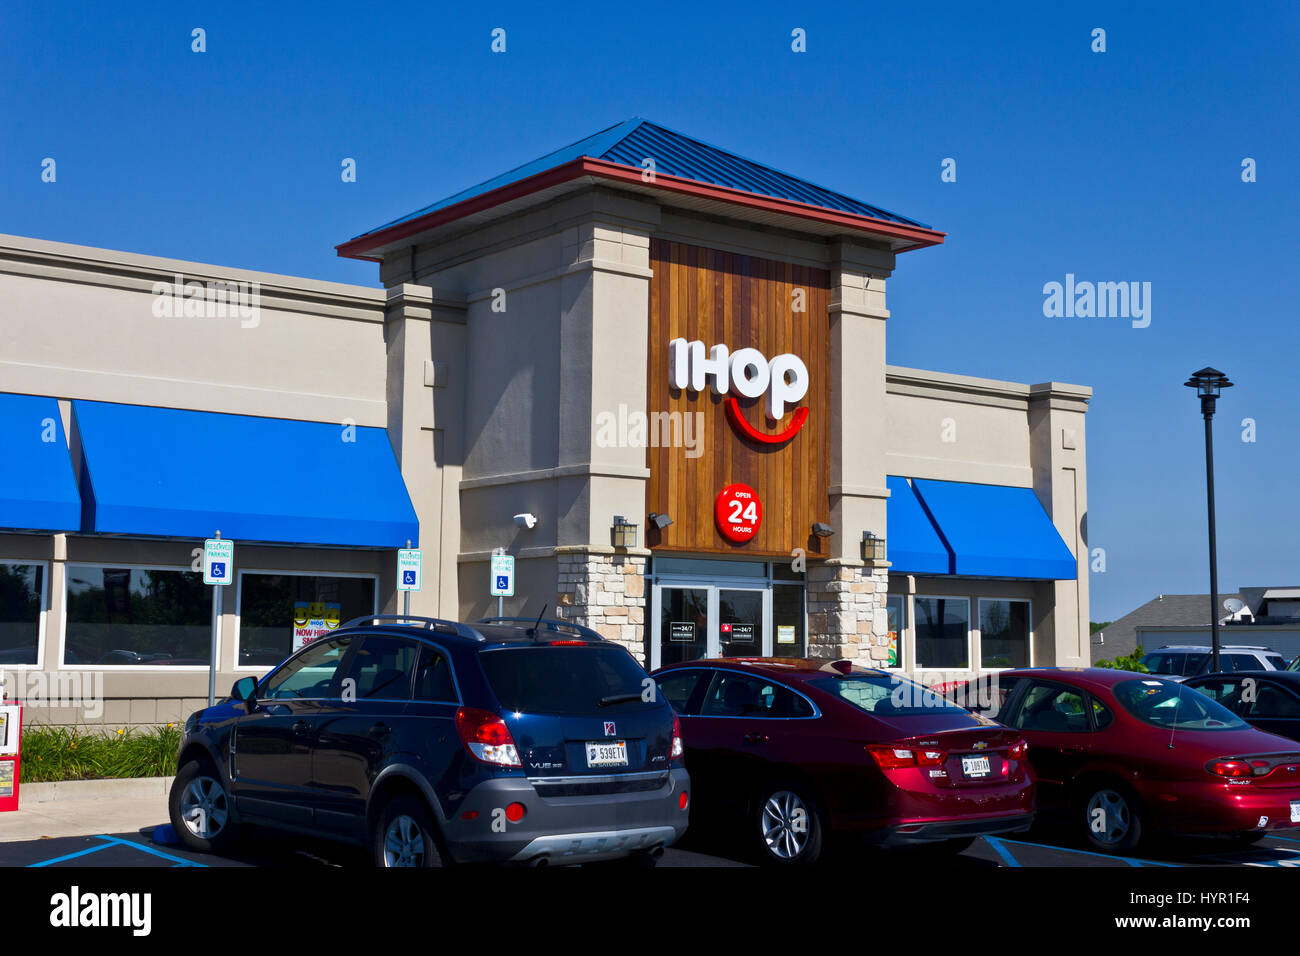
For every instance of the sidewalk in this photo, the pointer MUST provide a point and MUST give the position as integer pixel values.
(85, 808)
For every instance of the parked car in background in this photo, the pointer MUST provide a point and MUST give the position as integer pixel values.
(1268, 700)
(1180, 661)
(434, 742)
(798, 750)
(1120, 756)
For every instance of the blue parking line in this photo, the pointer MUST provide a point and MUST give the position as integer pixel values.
(179, 860)
(72, 856)
(1002, 851)
(1131, 861)
(112, 841)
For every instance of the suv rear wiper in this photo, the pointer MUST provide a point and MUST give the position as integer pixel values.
(618, 699)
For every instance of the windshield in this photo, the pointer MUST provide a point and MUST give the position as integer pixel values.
(1163, 703)
(887, 696)
(1180, 665)
(567, 680)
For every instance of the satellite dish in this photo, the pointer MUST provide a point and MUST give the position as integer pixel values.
(1233, 605)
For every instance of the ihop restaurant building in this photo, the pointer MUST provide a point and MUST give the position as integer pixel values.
(670, 358)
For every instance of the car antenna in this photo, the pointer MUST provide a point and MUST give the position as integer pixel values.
(532, 631)
(1174, 727)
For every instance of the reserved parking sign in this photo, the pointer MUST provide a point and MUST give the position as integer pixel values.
(218, 561)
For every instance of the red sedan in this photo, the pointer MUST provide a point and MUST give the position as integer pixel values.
(1124, 754)
(798, 749)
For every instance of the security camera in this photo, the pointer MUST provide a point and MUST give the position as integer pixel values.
(528, 521)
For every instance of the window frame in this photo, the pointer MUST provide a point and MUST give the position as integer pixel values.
(752, 675)
(1022, 693)
(41, 617)
(346, 659)
(978, 634)
(916, 653)
(238, 626)
(128, 668)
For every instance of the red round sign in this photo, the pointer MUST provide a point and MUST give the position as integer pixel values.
(738, 512)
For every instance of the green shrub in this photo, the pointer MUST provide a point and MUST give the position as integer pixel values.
(1131, 663)
(75, 753)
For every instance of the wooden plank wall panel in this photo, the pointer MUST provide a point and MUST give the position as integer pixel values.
(741, 301)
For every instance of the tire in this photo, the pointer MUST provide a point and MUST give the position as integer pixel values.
(405, 835)
(1118, 826)
(200, 808)
(786, 825)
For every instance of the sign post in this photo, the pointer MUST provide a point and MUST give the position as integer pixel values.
(503, 578)
(218, 567)
(410, 574)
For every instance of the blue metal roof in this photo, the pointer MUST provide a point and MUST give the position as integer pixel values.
(181, 473)
(995, 531)
(675, 154)
(38, 491)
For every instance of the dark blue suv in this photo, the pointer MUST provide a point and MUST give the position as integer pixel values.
(435, 742)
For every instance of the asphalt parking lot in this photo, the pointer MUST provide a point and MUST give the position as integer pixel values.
(154, 847)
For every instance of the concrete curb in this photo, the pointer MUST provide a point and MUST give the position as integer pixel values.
(32, 793)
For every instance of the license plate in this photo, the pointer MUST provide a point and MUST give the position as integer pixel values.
(607, 753)
(975, 766)
(1295, 811)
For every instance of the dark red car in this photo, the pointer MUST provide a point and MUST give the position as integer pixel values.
(798, 749)
(1124, 754)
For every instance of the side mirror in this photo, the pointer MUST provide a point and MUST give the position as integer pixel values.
(245, 689)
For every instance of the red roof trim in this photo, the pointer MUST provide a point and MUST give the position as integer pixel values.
(586, 166)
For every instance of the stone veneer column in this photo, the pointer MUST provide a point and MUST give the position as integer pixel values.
(846, 612)
(604, 589)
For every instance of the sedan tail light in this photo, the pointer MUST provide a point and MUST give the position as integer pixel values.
(1019, 750)
(892, 758)
(1230, 768)
(676, 752)
(486, 736)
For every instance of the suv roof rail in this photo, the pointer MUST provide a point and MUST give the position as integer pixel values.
(432, 623)
(567, 627)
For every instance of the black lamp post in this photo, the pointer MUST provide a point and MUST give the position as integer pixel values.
(1208, 382)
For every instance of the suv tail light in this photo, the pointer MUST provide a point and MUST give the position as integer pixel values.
(676, 752)
(486, 736)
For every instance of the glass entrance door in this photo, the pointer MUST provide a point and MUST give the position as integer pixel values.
(693, 620)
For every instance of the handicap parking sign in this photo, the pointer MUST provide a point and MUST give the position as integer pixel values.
(409, 569)
(503, 575)
(218, 559)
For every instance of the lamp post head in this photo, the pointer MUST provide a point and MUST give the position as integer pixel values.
(1208, 382)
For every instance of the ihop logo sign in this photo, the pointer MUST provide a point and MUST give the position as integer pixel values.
(747, 372)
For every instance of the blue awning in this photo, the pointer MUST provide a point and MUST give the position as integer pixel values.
(166, 471)
(995, 531)
(38, 491)
(913, 545)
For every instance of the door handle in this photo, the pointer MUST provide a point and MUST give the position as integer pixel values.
(301, 727)
(380, 729)
(756, 738)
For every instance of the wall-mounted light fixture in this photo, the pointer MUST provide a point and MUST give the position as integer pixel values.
(873, 548)
(822, 530)
(660, 521)
(623, 533)
(527, 520)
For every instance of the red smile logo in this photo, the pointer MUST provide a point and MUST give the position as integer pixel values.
(749, 431)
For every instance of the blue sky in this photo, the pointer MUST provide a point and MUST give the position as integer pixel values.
(1115, 166)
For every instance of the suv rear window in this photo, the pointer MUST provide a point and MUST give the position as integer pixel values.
(567, 680)
(1179, 664)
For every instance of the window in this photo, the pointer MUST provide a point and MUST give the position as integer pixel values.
(137, 616)
(1166, 704)
(1101, 715)
(279, 613)
(895, 606)
(888, 696)
(591, 679)
(677, 688)
(1274, 702)
(22, 589)
(382, 668)
(1176, 663)
(942, 632)
(310, 675)
(787, 621)
(738, 695)
(1004, 633)
(433, 678)
(1052, 708)
(1225, 692)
